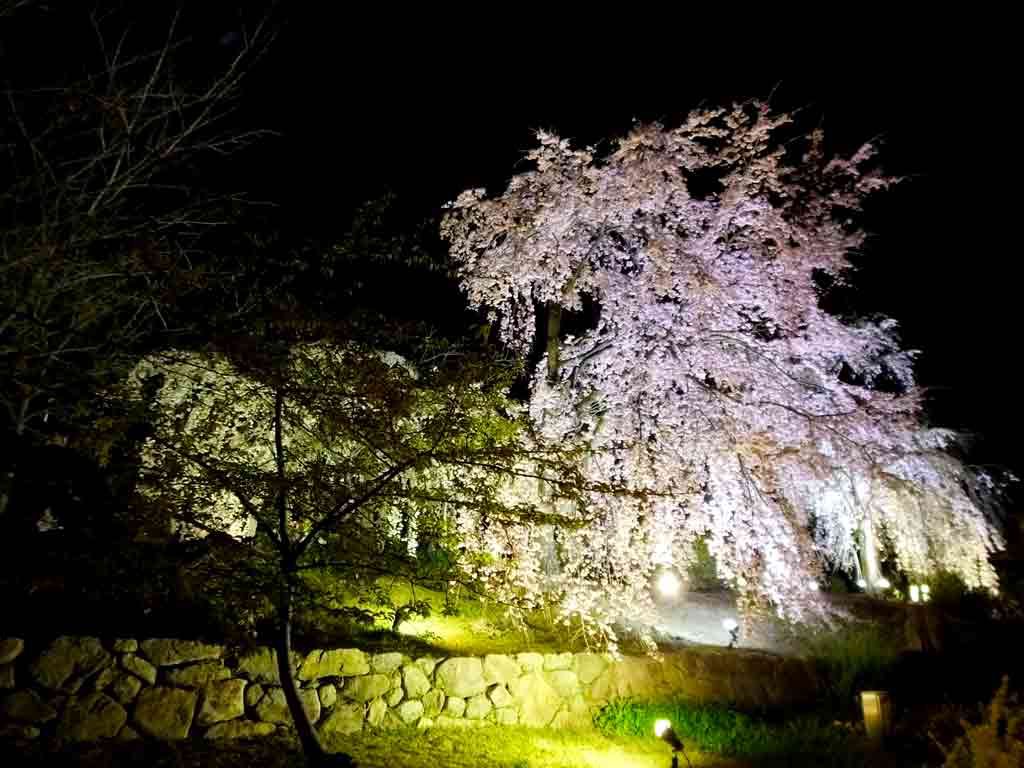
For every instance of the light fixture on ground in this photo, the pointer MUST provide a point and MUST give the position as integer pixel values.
(877, 712)
(668, 583)
(731, 626)
(663, 730)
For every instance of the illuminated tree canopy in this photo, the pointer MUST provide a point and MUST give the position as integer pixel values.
(713, 382)
(369, 452)
(341, 464)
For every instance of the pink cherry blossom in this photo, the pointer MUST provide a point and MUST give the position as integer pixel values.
(712, 382)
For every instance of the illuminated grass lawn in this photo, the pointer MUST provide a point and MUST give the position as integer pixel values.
(474, 628)
(513, 748)
(402, 748)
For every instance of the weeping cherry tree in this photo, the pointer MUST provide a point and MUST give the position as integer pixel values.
(710, 380)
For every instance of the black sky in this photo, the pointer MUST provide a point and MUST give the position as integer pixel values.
(428, 106)
(429, 113)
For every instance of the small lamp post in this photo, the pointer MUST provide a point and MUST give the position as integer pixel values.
(731, 626)
(663, 730)
(877, 715)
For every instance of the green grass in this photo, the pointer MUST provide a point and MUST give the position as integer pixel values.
(511, 748)
(810, 740)
(466, 626)
(854, 658)
(462, 625)
(405, 748)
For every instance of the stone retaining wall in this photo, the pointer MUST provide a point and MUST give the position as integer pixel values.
(87, 689)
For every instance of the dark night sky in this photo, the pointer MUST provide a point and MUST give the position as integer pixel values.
(432, 113)
(429, 106)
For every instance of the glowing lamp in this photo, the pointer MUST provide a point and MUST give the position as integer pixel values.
(812, 585)
(915, 593)
(877, 712)
(926, 593)
(668, 584)
(663, 730)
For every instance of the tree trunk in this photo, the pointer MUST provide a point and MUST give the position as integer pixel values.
(6, 489)
(8, 478)
(871, 568)
(554, 327)
(312, 748)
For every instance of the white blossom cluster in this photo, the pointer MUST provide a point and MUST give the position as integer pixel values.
(213, 445)
(713, 384)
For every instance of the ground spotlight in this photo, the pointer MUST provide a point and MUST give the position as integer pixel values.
(668, 584)
(663, 730)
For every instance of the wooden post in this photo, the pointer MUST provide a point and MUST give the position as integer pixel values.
(877, 715)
